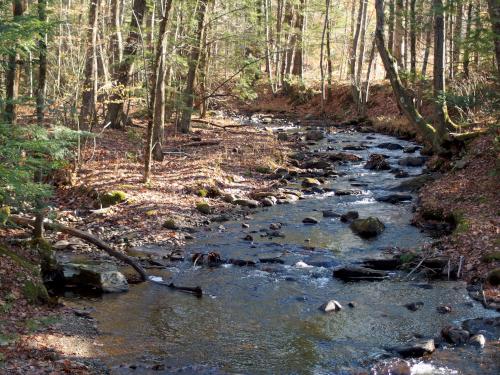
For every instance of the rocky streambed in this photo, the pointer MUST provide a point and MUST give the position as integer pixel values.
(320, 276)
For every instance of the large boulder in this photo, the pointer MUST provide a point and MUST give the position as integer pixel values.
(369, 227)
(94, 276)
(344, 156)
(377, 162)
(415, 183)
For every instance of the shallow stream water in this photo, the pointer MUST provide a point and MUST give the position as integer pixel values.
(265, 319)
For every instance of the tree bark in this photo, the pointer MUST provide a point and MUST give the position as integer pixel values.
(322, 70)
(466, 59)
(116, 36)
(13, 74)
(494, 11)
(398, 32)
(115, 115)
(404, 99)
(298, 60)
(88, 108)
(457, 37)
(154, 137)
(42, 65)
(413, 39)
(428, 42)
(185, 123)
(390, 44)
(442, 117)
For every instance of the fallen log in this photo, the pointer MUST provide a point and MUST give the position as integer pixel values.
(24, 221)
(86, 237)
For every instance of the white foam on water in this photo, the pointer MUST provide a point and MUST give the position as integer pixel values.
(156, 279)
(301, 264)
(422, 368)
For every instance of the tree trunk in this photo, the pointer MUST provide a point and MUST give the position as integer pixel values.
(390, 44)
(42, 65)
(88, 108)
(413, 39)
(185, 123)
(442, 117)
(287, 21)
(115, 115)
(269, 68)
(329, 67)
(362, 40)
(404, 99)
(322, 70)
(13, 74)
(494, 11)
(298, 60)
(466, 59)
(154, 135)
(428, 42)
(116, 36)
(355, 89)
(457, 37)
(398, 32)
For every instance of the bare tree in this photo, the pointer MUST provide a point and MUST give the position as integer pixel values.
(494, 11)
(42, 65)
(185, 123)
(88, 108)
(13, 74)
(115, 115)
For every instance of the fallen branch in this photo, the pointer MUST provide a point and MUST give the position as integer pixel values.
(84, 236)
(468, 135)
(211, 123)
(416, 268)
(200, 143)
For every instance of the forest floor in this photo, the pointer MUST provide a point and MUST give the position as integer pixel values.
(215, 161)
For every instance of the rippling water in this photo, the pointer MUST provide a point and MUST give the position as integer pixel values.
(265, 319)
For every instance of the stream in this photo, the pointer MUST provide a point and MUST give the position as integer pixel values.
(265, 319)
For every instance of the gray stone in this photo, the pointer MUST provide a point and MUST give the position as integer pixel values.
(394, 198)
(349, 216)
(102, 277)
(377, 162)
(330, 213)
(331, 306)
(310, 220)
(455, 335)
(416, 349)
(314, 135)
(310, 182)
(412, 161)
(247, 203)
(477, 340)
(390, 146)
(366, 228)
(357, 273)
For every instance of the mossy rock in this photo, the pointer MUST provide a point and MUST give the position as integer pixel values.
(367, 228)
(491, 257)
(202, 193)
(263, 169)
(112, 197)
(170, 224)
(204, 208)
(310, 182)
(35, 292)
(493, 277)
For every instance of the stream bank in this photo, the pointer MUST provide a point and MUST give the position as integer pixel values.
(261, 315)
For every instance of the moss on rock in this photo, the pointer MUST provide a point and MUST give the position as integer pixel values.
(203, 207)
(493, 277)
(112, 197)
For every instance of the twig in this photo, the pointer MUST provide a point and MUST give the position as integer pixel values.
(460, 266)
(417, 267)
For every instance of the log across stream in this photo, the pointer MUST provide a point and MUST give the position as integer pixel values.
(264, 318)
